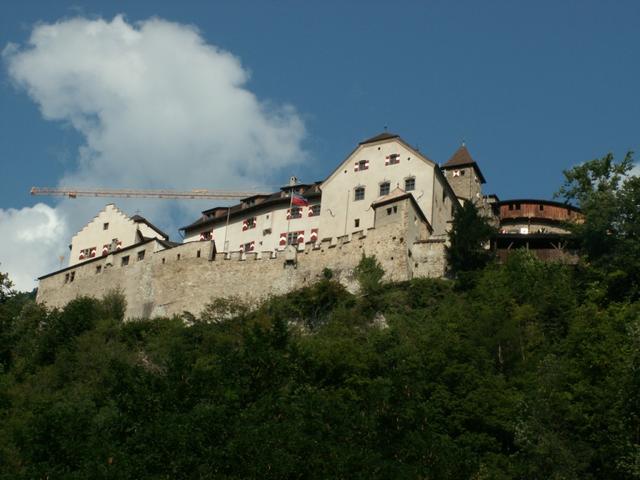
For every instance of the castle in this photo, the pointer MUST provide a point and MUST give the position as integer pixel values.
(385, 199)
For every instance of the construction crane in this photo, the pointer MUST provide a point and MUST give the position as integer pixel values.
(196, 194)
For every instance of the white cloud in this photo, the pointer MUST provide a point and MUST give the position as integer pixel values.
(158, 108)
(32, 241)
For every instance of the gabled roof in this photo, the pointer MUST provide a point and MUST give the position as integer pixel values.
(140, 219)
(379, 137)
(462, 158)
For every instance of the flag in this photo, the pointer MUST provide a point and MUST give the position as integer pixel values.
(299, 200)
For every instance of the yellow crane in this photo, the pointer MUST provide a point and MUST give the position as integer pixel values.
(196, 194)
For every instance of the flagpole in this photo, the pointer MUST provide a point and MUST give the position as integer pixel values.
(226, 228)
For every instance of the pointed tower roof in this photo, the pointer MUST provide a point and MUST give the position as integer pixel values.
(462, 158)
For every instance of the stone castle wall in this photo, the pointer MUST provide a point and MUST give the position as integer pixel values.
(187, 277)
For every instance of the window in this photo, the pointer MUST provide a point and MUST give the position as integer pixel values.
(314, 211)
(389, 211)
(384, 188)
(105, 226)
(356, 223)
(66, 278)
(409, 184)
(198, 254)
(395, 209)
(98, 269)
(124, 261)
(178, 256)
(164, 260)
(248, 247)
(248, 223)
(295, 212)
(141, 255)
(541, 207)
(72, 276)
(458, 173)
(361, 165)
(293, 238)
(392, 159)
(359, 194)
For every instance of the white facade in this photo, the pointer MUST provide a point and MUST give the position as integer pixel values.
(110, 230)
(259, 228)
(374, 167)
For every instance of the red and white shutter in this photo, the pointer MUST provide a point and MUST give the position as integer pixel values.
(355, 168)
(288, 214)
(314, 235)
(301, 236)
(387, 160)
(245, 225)
(93, 252)
(242, 248)
(283, 239)
(366, 164)
(105, 250)
(252, 246)
(203, 237)
(81, 256)
(119, 246)
(310, 214)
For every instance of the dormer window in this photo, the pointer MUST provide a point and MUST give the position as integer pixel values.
(361, 165)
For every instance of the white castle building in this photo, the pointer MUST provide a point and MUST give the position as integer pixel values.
(341, 204)
(385, 199)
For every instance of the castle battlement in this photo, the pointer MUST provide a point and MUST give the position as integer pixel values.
(188, 276)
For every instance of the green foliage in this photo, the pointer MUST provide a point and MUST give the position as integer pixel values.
(609, 197)
(469, 238)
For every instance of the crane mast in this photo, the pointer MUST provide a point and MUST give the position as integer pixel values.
(196, 194)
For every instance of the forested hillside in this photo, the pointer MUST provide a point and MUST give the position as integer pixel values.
(522, 370)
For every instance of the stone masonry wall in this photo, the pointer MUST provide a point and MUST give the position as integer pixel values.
(183, 278)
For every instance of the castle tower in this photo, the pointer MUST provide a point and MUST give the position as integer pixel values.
(464, 176)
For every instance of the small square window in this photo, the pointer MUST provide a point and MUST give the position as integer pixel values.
(409, 184)
(198, 254)
(141, 255)
(98, 269)
(395, 209)
(105, 226)
(124, 261)
(356, 223)
(389, 211)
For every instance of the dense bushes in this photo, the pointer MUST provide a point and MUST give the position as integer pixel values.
(524, 375)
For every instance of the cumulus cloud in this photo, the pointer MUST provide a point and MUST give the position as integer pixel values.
(32, 241)
(158, 107)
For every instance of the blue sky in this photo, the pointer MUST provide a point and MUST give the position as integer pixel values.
(532, 87)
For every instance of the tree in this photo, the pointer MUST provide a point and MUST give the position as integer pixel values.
(609, 197)
(469, 235)
(6, 287)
